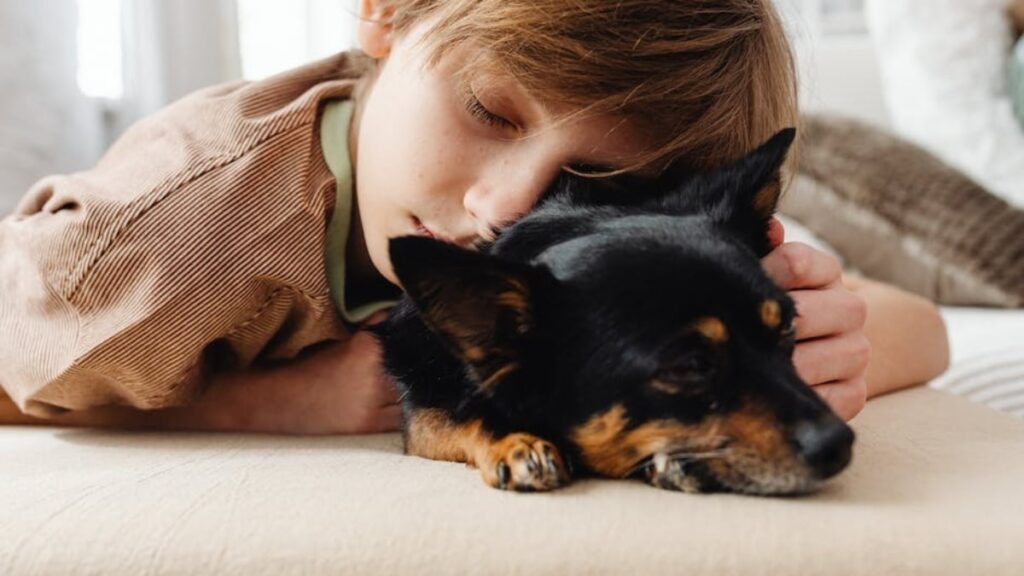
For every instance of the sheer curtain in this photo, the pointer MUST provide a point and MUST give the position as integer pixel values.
(175, 47)
(46, 124)
(172, 48)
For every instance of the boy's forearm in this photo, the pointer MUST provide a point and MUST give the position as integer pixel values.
(908, 338)
(233, 401)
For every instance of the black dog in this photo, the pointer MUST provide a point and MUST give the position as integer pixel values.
(634, 340)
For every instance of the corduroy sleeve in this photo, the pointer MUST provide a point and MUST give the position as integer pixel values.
(195, 245)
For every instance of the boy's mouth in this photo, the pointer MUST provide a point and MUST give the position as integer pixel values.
(423, 230)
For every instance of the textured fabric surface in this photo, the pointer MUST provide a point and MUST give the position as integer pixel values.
(196, 244)
(898, 214)
(987, 357)
(934, 488)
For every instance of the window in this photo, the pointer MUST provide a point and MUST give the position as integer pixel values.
(276, 36)
(100, 67)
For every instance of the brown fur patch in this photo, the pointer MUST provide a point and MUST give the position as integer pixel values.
(494, 379)
(753, 431)
(771, 314)
(767, 197)
(608, 449)
(432, 434)
(713, 329)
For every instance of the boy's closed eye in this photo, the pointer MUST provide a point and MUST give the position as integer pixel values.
(490, 117)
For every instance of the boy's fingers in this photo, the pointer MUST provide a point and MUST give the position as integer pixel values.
(846, 398)
(796, 265)
(776, 233)
(831, 359)
(826, 312)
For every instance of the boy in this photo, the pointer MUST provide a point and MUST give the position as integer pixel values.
(185, 275)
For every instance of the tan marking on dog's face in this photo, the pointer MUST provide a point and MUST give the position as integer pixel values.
(494, 379)
(666, 387)
(516, 301)
(713, 329)
(771, 314)
(760, 458)
(516, 297)
(608, 449)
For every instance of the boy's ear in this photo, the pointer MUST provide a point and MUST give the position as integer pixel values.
(481, 306)
(742, 195)
(374, 28)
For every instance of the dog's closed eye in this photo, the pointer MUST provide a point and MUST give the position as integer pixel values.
(686, 375)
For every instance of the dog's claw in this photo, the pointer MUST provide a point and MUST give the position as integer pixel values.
(533, 463)
(503, 473)
(524, 463)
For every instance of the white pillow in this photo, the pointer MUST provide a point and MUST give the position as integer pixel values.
(944, 71)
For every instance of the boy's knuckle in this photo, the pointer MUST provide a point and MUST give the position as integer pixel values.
(798, 259)
(861, 351)
(857, 308)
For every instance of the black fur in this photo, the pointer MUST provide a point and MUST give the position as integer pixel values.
(587, 298)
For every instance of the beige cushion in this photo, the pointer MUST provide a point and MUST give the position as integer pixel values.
(935, 488)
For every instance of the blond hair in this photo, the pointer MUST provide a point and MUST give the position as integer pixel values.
(709, 79)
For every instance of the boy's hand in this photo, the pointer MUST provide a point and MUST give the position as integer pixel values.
(832, 351)
(348, 391)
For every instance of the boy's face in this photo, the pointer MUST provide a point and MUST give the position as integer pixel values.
(429, 160)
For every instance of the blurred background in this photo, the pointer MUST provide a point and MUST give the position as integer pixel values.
(77, 72)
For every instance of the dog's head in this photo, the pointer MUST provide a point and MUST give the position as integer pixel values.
(648, 341)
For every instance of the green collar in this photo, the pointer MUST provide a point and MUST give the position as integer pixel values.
(334, 127)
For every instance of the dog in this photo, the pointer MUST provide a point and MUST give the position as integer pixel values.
(614, 334)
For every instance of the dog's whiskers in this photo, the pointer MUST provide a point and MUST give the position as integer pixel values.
(684, 455)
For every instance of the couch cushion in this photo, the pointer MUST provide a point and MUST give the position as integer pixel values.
(934, 488)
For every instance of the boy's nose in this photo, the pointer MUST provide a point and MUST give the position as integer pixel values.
(507, 198)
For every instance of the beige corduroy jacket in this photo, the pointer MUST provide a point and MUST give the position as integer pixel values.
(196, 244)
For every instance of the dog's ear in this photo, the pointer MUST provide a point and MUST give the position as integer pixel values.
(481, 306)
(742, 195)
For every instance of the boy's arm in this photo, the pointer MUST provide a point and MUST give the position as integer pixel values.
(909, 344)
(336, 388)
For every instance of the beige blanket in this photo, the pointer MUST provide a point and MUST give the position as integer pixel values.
(936, 487)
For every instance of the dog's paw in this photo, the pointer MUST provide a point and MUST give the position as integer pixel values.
(670, 474)
(524, 463)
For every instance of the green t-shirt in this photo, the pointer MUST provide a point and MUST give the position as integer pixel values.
(334, 125)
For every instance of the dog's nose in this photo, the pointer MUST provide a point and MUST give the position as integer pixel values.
(825, 445)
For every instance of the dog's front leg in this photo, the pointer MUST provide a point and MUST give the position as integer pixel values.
(518, 461)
